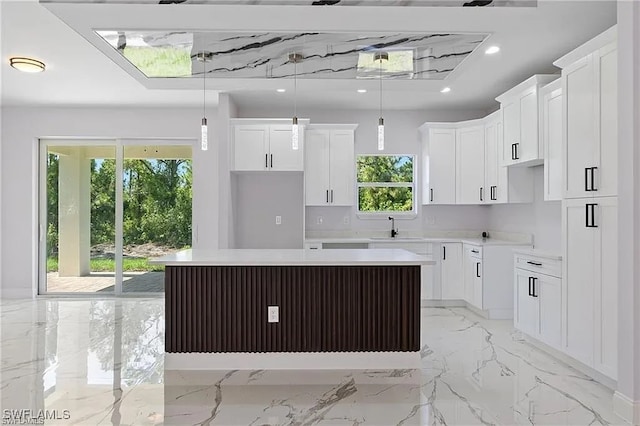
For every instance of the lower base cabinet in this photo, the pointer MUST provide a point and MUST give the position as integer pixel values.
(451, 281)
(538, 299)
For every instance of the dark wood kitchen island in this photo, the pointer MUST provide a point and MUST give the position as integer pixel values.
(292, 301)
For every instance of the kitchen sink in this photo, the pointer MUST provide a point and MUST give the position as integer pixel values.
(397, 238)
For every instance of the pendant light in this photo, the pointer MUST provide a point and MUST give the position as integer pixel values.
(295, 58)
(380, 57)
(204, 131)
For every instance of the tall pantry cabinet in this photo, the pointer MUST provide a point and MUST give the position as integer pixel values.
(589, 206)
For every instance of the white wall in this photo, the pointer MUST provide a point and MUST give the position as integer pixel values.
(541, 218)
(401, 137)
(628, 390)
(18, 173)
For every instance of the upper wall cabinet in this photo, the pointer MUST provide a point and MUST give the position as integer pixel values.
(265, 147)
(438, 165)
(551, 129)
(329, 165)
(589, 84)
(470, 165)
(520, 122)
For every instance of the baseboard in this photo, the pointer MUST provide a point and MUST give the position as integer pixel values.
(16, 293)
(433, 303)
(572, 362)
(626, 408)
(292, 361)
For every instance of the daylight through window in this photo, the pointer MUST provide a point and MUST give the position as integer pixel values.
(385, 183)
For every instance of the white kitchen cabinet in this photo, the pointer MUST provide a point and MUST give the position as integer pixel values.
(520, 114)
(473, 285)
(439, 165)
(265, 147)
(589, 87)
(330, 165)
(451, 278)
(538, 298)
(551, 134)
(470, 165)
(590, 282)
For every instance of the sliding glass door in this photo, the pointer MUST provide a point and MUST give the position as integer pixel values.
(106, 207)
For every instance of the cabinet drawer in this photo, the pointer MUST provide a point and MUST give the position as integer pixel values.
(473, 251)
(539, 264)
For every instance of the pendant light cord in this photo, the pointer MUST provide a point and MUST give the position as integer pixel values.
(381, 87)
(204, 87)
(295, 87)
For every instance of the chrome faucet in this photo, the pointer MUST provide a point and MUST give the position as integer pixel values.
(394, 231)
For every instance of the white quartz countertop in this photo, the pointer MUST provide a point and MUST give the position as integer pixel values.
(538, 253)
(401, 240)
(301, 257)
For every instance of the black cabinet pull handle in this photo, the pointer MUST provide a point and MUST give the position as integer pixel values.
(266, 160)
(475, 251)
(513, 151)
(444, 252)
(431, 194)
(481, 194)
(327, 195)
(534, 263)
(586, 179)
(530, 278)
(517, 153)
(332, 195)
(533, 286)
(477, 269)
(590, 210)
(271, 160)
(593, 179)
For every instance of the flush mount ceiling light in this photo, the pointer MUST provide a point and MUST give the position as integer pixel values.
(491, 50)
(295, 58)
(381, 57)
(445, 90)
(204, 57)
(281, 90)
(362, 90)
(27, 64)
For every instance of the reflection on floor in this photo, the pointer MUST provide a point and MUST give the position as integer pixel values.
(103, 361)
(104, 282)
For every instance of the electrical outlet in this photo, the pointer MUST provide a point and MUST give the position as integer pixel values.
(278, 220)
(319, 220)
(273, 314)
(345, 220)
(430, 220)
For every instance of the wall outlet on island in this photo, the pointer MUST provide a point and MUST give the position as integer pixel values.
(273, 314)
(278, 220)
(319, 220)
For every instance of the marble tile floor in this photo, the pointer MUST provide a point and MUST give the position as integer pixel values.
(102, 360)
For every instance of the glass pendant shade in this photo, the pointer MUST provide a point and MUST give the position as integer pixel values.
(204, 138)
(381, 134)
(294, 134)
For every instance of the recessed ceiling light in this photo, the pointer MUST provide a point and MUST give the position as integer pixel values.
(281, 90)
(491, 50)
(446, 90)
(26, 64)
(362, 90)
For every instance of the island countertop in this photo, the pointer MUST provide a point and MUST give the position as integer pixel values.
(293, 257)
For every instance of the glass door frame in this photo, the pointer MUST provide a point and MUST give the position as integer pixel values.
(119, 145)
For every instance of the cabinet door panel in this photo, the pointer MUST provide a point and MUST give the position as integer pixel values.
(342, 167)
(552, 139)
(549, 292)
(511, 123)
(441, 167)
(528, 148)
(477, 283)
(581, 144)
(316, 168)
(525, 316)
(284, 157)
(606, 290)
(579, 258)
(251, 145)
(470, 166)
(607, 174)
(452, 280)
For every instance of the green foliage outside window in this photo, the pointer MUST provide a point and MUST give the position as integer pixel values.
(385, 183)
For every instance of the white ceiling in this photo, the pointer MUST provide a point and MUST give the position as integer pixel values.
(80, 74)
